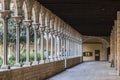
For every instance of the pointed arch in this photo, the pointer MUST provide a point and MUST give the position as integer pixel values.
(18, 4)
(42, 16)
(35, 11)
(5, 4)
(27, 5)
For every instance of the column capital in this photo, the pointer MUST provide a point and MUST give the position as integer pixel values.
(55, 33)
(51, 31)
(28, 23)
(5, 14)
(59, 34)
(36, 26)
(18, 19)
(62, 35)
(47, 30)
(42, 28)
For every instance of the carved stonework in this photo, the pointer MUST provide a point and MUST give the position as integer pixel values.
(18, 19)
(28, 23)
(55, 33)
(36, 26)
(5, 14)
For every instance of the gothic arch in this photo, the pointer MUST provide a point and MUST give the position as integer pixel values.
(18, 4)
(5, 4)
(35, 12)
(28, 5)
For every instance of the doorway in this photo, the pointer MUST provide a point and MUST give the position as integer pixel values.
(97, 55)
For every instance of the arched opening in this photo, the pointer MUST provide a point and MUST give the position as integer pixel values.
(95, 49)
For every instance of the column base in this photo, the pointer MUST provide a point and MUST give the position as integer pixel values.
(16, 65)
(59, 59)
(41, 62)
(5, 67)
(51, 60)
(62, 58)
(26, 64)
(55, 59)
(47, 61)
(35, 63)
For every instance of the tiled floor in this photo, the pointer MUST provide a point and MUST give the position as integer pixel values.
(88, 71)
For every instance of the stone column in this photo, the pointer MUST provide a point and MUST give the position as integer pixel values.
(35, 26)
(42, 28)
(18, 21)
(62, 46)
(28, 25)
(67, 43)
(52, 20)
(47, 45)
(5, 16)
(55, 54)
(70, 48)
(65, 51)
(77, 48)
(52, 46)
(73, 48)
(58, 47)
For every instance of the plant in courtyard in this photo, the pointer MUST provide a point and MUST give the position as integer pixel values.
(11, 60)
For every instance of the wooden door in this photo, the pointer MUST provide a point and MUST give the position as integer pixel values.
(97, 55)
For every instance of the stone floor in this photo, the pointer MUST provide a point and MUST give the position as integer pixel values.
(88, 71)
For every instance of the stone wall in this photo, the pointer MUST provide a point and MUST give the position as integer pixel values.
(73, 61)
(38, 72)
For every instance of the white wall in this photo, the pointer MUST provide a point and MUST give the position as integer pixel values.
(92, 48)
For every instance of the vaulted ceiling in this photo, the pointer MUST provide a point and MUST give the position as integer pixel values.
(89, 17)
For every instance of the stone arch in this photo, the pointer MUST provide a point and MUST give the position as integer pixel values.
(42, 16)
(35, 12)
(104, 41)
(5, 4)
(18, 4)
(28, 5)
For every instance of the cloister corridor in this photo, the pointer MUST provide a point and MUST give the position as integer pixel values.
(89, 71)
(59, 39)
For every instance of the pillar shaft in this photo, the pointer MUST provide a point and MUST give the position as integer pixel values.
(47, 47)
(5, 16)
(55, 54)
(17, 20)
(28, 25)
(35, 26)
(42, 47)
(52, 46)
(35, 45)
(58, 48)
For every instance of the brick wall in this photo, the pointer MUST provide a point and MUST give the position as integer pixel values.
(73, 61)
(38, 72)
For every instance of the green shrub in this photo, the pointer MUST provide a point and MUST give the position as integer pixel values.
(11, 60)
